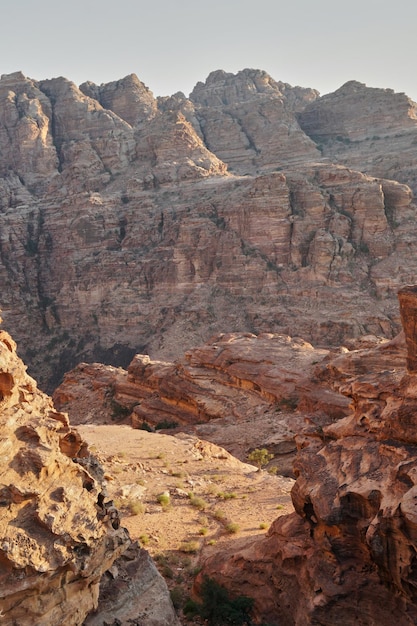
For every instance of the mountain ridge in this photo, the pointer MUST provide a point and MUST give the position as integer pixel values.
(156, 223)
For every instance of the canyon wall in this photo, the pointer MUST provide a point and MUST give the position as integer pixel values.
(133, 224)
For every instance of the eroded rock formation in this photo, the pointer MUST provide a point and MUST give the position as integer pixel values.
(58, 534)
(237, 390)
(133, 224)
(348, 554)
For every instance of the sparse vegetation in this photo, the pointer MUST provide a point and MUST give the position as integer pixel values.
(219, 515)
(232, 528)
(165, 425)
(136, 508)
(218, 608)
(203, 531)
(224, 495)
(177, 596)
(260, 457)
(164, 499)
(190, 547)
(198, 502)
(263, 526)
(144, 540)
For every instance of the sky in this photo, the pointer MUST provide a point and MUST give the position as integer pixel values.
(172, 44)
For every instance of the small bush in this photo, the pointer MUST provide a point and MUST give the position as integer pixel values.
(203, 531)
(227, 495)
(144, 540)
(146, 426)
(177, 597)
(232, 528)
(260, 456)
(136, 508)
(166, 424)
(197, 502)
(219, 515)
(218, 608)
(263, 526)
(190, 547)
(164, 499)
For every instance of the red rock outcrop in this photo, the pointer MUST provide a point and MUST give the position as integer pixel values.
(121, 231)
(237, 390)
(58, 535)
(348, 554)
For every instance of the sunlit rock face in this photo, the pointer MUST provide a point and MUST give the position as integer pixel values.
(59, 533)
(130, 224)
(57, 537)
(348, 554)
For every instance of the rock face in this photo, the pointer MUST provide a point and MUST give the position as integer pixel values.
(366, 129)
(347, 555)
(130, 224)
(237, 390)
(58, 535)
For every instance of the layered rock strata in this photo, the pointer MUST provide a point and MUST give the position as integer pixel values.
(237, 390)
(133, 224)
(347, 555)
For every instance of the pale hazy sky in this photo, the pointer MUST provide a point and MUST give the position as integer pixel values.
(172, 44)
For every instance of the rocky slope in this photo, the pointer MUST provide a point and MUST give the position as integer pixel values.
(133, 224)
(238, 390)
(59, 533)
(347, 555)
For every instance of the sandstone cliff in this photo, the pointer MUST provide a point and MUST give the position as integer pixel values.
(133, 224)
(347, 555)
(58, 535)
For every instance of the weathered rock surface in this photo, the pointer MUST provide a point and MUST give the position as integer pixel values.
(237, 390)
(372, 130)
(347, 555)
(58, 535)
(133, 592)
(126, 225)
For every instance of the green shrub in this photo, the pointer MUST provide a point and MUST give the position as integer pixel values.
(146, 426)
(219, 515)
(197, 502)
(232, 528)
(177, 597)
(260, 456)
(144, 540)
(218, 608)
(166, 424)
(224, 495)
(190, 547)
(136, 508)
(164, 499)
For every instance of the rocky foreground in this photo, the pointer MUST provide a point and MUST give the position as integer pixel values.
(131, 224)
(59, 532)
(347, 554)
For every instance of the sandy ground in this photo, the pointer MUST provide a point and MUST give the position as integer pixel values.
(210, 499)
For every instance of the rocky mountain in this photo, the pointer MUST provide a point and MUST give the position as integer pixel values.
(60, 534)
(133, 224)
